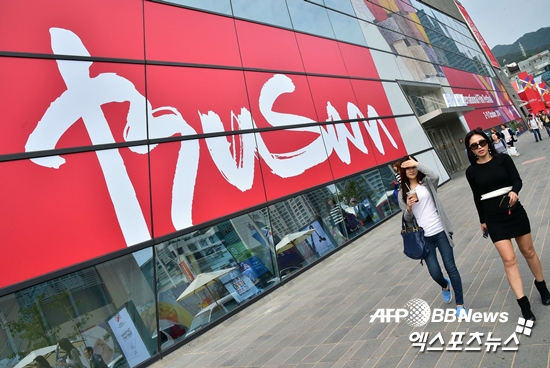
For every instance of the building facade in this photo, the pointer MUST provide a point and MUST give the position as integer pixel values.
(156, 155)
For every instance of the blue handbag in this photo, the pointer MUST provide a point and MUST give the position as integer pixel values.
(414, 243)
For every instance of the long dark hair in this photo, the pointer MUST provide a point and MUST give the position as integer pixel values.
(42, 362)
(405, 182)
(66, 345)
(471, 155)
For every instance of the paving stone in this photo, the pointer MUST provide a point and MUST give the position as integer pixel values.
(298, 356)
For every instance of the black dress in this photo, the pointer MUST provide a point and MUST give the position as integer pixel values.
(498, 173)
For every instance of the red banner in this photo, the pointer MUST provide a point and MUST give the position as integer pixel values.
(61, 210)
(533, 99)
(478, 35)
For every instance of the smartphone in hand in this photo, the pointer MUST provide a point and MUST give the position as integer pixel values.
(485, 233)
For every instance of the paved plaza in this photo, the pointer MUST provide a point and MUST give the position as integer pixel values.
(322, 317)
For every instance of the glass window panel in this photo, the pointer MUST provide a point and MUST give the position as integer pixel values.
(98, 307)
(218, 6)
(317, 211)
(266, 11)
(237, 255)
(358, 196)
(386, 176)
(346, 28)
(342, 5)
(310, 18)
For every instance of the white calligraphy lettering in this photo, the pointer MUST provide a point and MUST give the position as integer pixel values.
(235, 160)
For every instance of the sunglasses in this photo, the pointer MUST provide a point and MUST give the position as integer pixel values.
(481, 143)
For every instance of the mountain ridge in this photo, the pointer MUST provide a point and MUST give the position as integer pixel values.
(530, 41)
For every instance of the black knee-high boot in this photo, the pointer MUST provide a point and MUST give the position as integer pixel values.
(543, 290)
(526, 309)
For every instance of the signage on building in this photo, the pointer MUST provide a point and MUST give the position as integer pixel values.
(128, 338)
(490, 100)
(98, 201)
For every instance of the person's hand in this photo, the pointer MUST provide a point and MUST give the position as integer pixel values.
(483, 227)
(409, 163)
(410, 201)
(513, 198)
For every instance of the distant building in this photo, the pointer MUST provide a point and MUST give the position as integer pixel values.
(536, 64)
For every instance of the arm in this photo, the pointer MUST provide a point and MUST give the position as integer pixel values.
(430, 175)
(403, 206)
(476, 194)
(513, 174)
(406, 208)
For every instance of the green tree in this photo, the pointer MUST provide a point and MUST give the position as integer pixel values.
(353, 189)
(31, 327)
(62, 301)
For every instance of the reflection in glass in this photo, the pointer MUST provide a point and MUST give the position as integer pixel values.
(310, 18)
(267, 11)
(235, 257)
(341, 5)
(358, 197)
(387, 177)
(346, 28)
(316, 212)
(97, 307)
(218, 6)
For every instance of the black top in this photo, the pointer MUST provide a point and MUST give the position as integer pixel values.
(498, 173)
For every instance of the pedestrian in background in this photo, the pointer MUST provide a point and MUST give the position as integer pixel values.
(41, 362)
(545, 119)
(96, 360)
(495, 184)
(72, 359)
(418, 198)
(499, 134)
(534, 125)
(397, 182)
(500, 145)
(507, 134)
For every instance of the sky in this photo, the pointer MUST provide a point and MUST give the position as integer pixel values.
(502, 22)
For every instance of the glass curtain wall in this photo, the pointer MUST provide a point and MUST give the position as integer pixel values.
(130, 308)
(200, 277)
(410, 28)
(110, 308)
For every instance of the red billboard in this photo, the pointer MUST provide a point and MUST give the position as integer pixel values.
(60, 209)
(478, 35)
(491, 102)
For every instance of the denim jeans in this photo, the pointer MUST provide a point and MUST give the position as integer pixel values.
(547, 129)
(441, 242)
(537, 132)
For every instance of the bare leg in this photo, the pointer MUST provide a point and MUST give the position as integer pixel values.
(525, 245)
(508, 256)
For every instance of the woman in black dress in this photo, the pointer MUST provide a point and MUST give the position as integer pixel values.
(495, 184)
